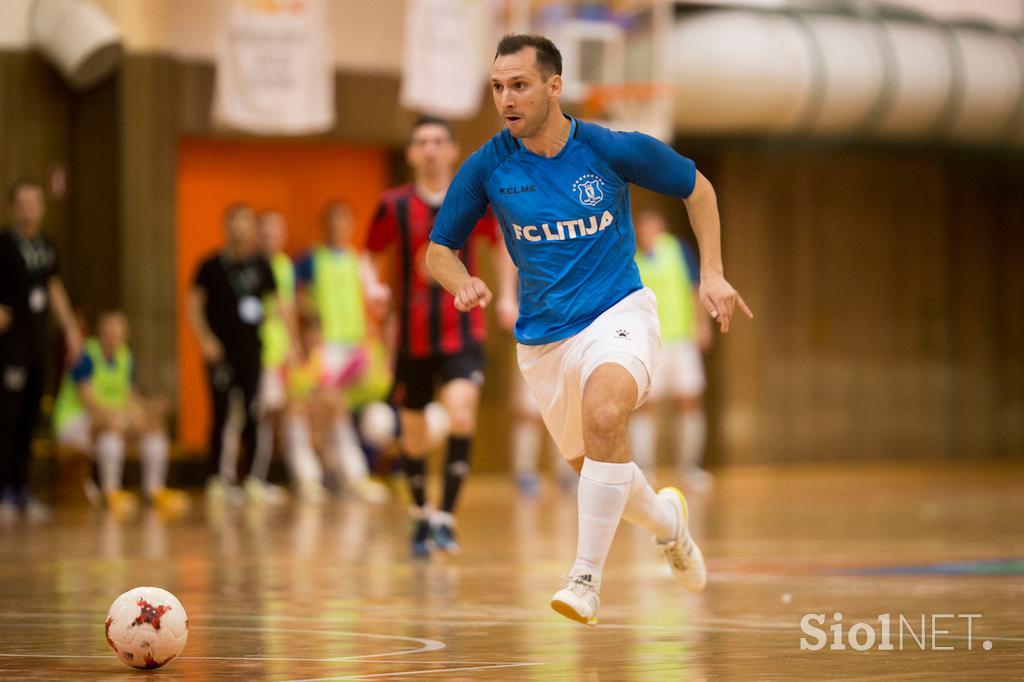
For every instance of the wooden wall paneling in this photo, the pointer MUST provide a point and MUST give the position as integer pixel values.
(94, 275)
(738, 362)
(149, 93)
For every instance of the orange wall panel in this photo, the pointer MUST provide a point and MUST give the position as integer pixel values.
(295, 178)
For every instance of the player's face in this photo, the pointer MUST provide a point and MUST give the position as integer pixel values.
(28, 208)
(273, 232)
(521, 95)
(311, 337)
(113, 332)
(338, 226)
(242, 231)
(431, 150)
(648, 227)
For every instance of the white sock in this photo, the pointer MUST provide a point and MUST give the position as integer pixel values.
(153, 451)
(604, 489)
(525, 447)
(648, 510)
(693, 432)
(264, 450)
(350, 458)
(110, 460)
(643, 439)
(302, 460)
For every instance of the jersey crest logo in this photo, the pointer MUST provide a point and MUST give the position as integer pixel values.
(588, 189)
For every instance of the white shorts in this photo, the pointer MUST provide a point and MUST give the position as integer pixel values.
(273, 395)
(76, 433)
(627, 334)
(525, 403)
(680, 371)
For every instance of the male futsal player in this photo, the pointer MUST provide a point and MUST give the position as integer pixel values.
(587, 329)
(437, 343)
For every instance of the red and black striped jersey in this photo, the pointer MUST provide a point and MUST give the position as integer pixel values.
(429, 324)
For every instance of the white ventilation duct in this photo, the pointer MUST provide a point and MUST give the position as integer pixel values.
(77, 38)
(750, 72)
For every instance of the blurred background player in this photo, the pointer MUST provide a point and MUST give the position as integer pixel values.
(529, 437)
(436, 343)
(671, 269)
(30, 288)
(304, 379)
(330, 289)
(98, 408)
(273, 232)
(226, 306)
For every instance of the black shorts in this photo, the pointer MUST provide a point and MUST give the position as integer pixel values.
(416, 378)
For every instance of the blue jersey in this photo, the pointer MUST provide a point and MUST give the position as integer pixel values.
(565, 219)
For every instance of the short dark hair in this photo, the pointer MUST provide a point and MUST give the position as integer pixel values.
(427, 120)
(20, 184)
(549, 59)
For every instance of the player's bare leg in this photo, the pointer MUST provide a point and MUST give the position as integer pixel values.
(612, 487)
(691, 440)
(461, 398)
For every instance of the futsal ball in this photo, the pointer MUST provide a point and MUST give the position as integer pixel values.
(146, 627)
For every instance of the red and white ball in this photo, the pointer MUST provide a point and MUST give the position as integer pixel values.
(147, 627)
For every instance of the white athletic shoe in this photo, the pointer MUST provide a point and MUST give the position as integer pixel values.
(578, 600)
(259, 492)
(220, 492)
(371, 491)
(682, 553)
(311, 492)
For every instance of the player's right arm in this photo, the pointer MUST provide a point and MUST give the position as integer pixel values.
(209, 344)
(464, 205)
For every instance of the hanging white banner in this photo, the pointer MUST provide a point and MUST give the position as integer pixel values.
(274, 67)
(443, 65)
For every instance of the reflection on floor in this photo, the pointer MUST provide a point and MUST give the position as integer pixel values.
(331, 593)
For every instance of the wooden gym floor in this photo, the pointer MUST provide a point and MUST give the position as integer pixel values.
(323, 594)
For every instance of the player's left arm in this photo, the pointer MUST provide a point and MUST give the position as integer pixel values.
(718, 297)
(65, 316)
(652, 164)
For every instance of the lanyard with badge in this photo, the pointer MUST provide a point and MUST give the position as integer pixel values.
(37, 258)
(243, 279)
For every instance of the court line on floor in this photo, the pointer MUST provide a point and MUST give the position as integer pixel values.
(427, 645)
(737, 626)
(368, 676)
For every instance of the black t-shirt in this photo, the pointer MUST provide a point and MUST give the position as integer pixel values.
(26, 266)
(234, 301)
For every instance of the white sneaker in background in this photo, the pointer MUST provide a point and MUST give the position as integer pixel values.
(218, 491)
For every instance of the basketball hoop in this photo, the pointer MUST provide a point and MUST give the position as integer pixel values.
(642, 106)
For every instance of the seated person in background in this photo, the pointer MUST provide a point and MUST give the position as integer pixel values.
(318, 420)
(97, 408)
